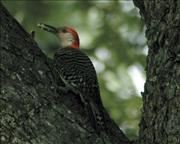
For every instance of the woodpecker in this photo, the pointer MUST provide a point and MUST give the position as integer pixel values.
(77, 72)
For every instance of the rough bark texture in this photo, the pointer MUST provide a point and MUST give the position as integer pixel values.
(160, 122)
(32, 109)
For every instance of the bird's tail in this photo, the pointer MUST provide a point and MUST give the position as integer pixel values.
(95, 116)
(95, 113)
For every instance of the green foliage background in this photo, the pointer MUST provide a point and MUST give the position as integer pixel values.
(111, 33)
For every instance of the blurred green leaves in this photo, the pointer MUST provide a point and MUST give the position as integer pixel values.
(111, 33)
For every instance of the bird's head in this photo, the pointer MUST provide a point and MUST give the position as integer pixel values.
(68, 36)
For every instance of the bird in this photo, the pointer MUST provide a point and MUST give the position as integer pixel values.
(77, 72)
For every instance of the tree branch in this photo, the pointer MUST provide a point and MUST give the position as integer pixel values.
(33, 110)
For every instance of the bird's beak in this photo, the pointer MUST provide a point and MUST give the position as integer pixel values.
(47, 28)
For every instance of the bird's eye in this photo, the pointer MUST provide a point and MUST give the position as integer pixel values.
(64, 30)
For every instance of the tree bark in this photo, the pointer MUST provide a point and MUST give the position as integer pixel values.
(160, 122)
(32, 109)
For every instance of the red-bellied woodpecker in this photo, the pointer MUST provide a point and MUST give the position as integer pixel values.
(77, 72)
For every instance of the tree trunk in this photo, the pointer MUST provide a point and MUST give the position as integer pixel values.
(160, 122)
(32, 109)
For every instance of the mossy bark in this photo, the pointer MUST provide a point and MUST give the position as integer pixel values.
(160, 122)
(32, 109)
